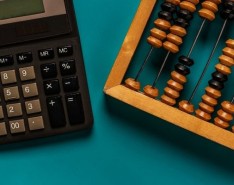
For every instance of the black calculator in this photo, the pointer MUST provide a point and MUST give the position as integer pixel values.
(42, 77)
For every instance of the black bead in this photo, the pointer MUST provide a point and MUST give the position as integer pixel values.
(229, 5)
(168, 7)
(181, 22)
(186, 61)
(182, 69)
(219, 77)
(216, 85)
(165, 15)
(185, 14)
(227, 14)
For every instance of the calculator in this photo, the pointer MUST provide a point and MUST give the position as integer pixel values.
(42, 77)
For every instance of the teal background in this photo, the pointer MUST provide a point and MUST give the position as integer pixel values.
(126, 146)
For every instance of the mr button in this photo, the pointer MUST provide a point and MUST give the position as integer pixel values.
(46, 54)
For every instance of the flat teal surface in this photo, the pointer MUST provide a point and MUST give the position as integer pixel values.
(126, 146)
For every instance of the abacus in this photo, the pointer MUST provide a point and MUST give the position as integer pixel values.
(170, 28)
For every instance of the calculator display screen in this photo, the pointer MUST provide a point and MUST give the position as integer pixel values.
(18, 8)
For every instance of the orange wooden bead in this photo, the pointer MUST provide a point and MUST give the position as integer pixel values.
(178, 77)
(151, 91)
(177, 30)
(220, 123)
(228, 107)
(230, 43)
(185, 106)
(213, 92)
(154, 42)
(225, 60)
(216, 1)
(209, 100)
(207, 14)
(223, 69)
(232, 128)
(225, 116)
(175, 85)
(169, 46)
(210, 6)
(162, 24)
(171, 93)
(229, 52)
(175, 2)
(132, 84)
(194, 1)
(203, 115)
(188, 6)
(157, 33)
(174, 39)
(206, 108)
(168, 100)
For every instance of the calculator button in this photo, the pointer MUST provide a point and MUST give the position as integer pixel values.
(56, 111)
(14, 110)
(51, 87)
(1, 113)
(36, 123)
(25, 57)
(11, 93)
(70, 84)
(75, 108)
(27, 73)
(33, 106)
(6, 60)
(46, 54)
(65, 51)
(67, 67)
(30, 90)
(49, 70)
(17, 126)
(8, 77)
(3, 131)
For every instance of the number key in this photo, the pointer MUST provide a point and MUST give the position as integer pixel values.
(30, 90)
(17, 126)
(33, 106)
(14, 110)
(8, 77)
(11, 93)
(27, 73)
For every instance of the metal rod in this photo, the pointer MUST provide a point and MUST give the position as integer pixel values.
(232, 100)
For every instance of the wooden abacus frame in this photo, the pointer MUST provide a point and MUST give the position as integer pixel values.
(138, 100)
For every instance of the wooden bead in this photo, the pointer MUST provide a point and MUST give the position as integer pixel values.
(225, 116)
(194, 1)
(206, 14)
(175, 85)
(225, 60)
(175, 2)
(168, 100)
(229, 52)
(154, 42)
(220, 123)
(174, 39)
(203, 115)
(171, 47)
(171, 93)
(210, 6)
(232, 128)
(213, 92)
(223, 69)
(157, 33)
(177, 30)
(188, 6)
(178, 77)
(230, 43)
(216, 1)
(132, 84)
(162, 24)
(228, 107)
(185, 106)
(209, 100)
(150, 91)
(206, 108)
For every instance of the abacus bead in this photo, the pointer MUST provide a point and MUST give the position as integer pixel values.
(162, 24)
(207, 14)
(225, 60)
(188, 6)
(203, 115)
(168, 100)
(182, 69)
(132, 84)
(178, 77)
(220, 123)
(168, 7)
(181, 22)
(207, 108)
(171, 47)
(175, 85)
(210, 6)
(229, 52)
(194, 1)
(157, 33)
(217, 1)
(171, 93)
(177, 30)
(223, 69)
(226, 14)
(209, 100)
(230, 43)
(175, 2)
(229, 5)
(185, 106)
(216, 85)
(228, 107)
(219, 76)
(174, 39)
(224, 115)
(154, 42)
(165, 15)
(185, 14)
(186, 61)
(213, 92)
(151, 91)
